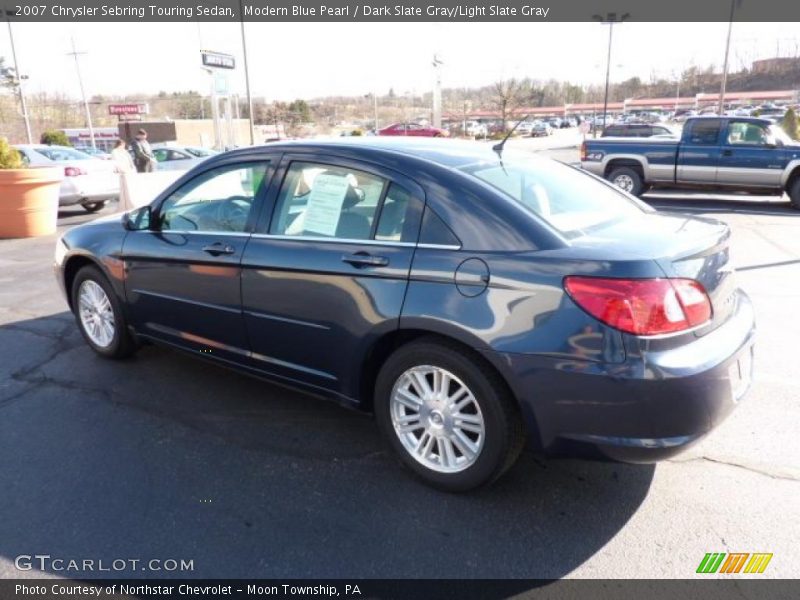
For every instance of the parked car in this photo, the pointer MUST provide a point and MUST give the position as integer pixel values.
(636, 130)
(88, 181)
(524, 128)
(180, 158)
(465, 298)
(541, 128)
(727, 154)
(413, 129)
(94, 152)
(476, 129)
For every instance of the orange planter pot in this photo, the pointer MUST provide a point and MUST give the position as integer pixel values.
(29, 201)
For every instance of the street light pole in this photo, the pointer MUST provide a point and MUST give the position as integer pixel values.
(75, 54)
(734, 4)
(19, 78)
(247, 79)
(610, 19)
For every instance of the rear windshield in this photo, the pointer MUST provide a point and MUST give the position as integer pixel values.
(62, 153)
(569, 200)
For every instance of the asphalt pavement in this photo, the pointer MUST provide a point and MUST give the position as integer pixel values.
(167, 457)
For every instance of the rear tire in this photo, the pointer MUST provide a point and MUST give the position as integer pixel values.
(627, 179)
(467, 435)
(794, 193)
(94, 206)
(99, 315)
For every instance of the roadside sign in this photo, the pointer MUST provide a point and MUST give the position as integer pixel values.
(128, 109)
(218, 60)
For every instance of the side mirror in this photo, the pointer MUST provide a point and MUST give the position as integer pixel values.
(137, 219)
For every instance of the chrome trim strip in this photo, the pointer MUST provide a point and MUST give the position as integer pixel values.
(439, 246)
(310, 238)
(187, 301)
(285, 320)
(186, 232)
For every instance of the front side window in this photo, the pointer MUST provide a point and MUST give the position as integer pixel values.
(749, 134)
(319, 200)
(218, 200)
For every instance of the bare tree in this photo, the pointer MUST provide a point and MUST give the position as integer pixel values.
(506, 98)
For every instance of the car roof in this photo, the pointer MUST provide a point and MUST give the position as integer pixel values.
(444, 152)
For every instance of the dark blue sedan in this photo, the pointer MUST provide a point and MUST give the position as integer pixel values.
(470, 298)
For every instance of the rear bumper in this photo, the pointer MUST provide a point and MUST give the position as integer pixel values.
(645, 409)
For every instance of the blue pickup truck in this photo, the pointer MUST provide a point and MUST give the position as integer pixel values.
(722, 154)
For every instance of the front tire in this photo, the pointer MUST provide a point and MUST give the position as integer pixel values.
(628, 180)
(448, 415)
(794, 193)
(93, 207)
(99, 315)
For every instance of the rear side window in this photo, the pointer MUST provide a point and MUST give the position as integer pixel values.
(704, 131)
(328, 201)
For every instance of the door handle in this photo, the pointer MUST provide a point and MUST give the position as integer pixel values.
(362, 259)
(218, 248)
(727, 153)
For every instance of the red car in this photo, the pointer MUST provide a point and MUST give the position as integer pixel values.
(412, 129)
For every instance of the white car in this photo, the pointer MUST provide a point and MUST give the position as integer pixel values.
(180, 158)
(88, 181)
(476, 129)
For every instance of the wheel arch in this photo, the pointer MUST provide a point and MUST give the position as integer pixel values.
(75, 263)
(633, 163)
(384, 346)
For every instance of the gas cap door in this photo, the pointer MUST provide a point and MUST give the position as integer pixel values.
(472, 277)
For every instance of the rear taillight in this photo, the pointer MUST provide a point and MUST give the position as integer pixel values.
(73, 171)
(583, 151)
(642, 306)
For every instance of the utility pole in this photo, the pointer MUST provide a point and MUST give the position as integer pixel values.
(246, 79)
(19, 79)
(75, 54)
(610, 19)
(437, 91)
(375, 102)
(734, 4)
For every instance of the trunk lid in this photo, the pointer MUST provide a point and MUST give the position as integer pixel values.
(683, 246)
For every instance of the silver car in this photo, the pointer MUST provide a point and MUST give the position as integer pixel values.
(180, 158)
(88, 181)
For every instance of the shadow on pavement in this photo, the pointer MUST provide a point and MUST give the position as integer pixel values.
(164, 456)
(748, 205)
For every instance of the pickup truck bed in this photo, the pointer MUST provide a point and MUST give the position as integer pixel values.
(714, 153)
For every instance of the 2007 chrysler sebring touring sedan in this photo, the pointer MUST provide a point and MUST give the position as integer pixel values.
(469, 297)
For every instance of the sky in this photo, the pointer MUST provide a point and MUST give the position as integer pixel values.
(307, 60)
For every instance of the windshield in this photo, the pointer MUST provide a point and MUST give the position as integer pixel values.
(778, 134)
(566, 198)
(62, 153)
(200, 152)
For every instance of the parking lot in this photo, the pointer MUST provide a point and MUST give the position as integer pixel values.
(166, 457)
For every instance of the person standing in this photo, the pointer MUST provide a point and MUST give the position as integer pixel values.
(143, 156)
(122, 158)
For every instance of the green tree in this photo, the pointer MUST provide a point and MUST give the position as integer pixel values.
(9, 157)
(8, 77)
(54, 137)
(790, 124)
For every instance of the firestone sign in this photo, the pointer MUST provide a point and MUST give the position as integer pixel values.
(128, 109)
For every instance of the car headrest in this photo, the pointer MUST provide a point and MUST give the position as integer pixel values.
(352, 197)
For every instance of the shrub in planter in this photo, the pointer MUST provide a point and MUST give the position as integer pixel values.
(28, 196)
